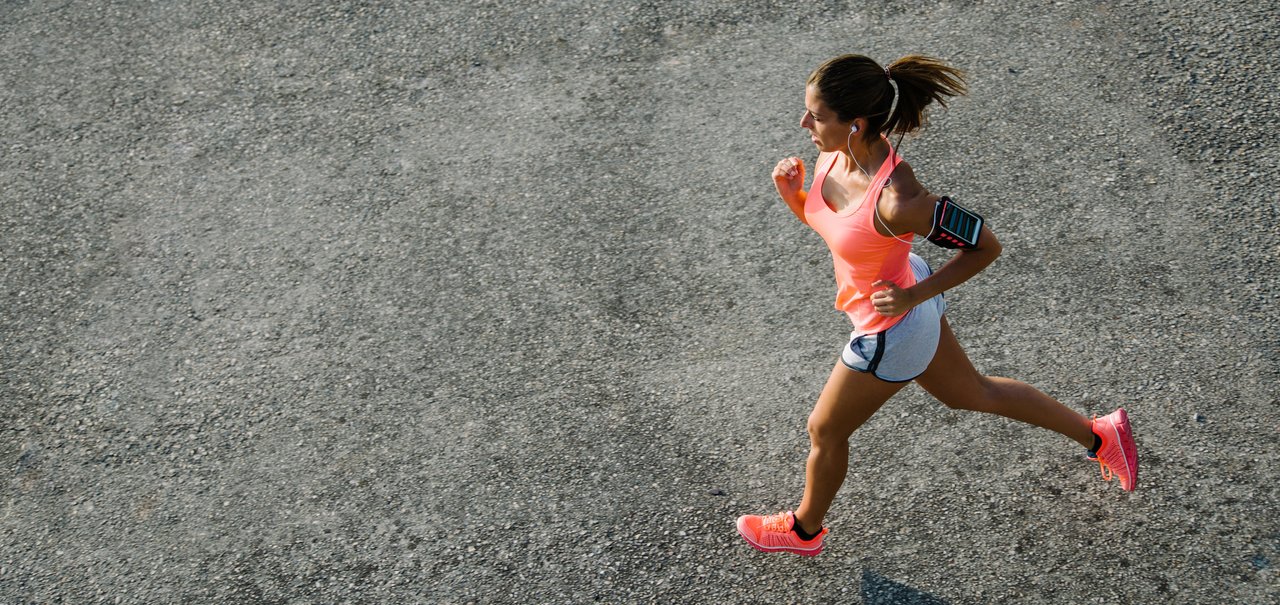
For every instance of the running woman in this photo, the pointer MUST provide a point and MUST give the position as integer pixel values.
(868, 207)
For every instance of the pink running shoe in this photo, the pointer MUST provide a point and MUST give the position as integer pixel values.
(1118, 455)
(774, 533)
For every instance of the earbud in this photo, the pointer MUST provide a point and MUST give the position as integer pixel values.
(853, 129)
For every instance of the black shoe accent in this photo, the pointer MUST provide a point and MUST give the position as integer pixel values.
(795, 527)
(1097, 445)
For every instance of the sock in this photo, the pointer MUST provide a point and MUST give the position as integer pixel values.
(800, 530)
(1097, 445)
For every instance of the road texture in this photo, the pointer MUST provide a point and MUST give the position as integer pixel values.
(493, 302)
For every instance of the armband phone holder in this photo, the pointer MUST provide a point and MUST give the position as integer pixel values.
(954, 226)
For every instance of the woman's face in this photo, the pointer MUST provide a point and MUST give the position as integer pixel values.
(826, 131)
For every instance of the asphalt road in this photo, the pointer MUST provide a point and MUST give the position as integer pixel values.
(493, 302)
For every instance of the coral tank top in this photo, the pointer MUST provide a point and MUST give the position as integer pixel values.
(861, 256)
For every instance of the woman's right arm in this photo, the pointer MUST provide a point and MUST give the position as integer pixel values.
(788, 178)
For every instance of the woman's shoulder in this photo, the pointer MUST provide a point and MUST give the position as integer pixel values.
(907, 195)
(904, 184)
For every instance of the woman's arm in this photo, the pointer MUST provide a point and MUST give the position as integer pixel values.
(964, 265)
(915, 215)
(788, 179)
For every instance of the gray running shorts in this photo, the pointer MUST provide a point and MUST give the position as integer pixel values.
(904, 351)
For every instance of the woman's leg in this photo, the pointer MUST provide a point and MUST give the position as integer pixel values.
(848, 400)
(952, 379)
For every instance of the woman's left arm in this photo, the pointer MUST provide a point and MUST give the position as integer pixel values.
(891, 300)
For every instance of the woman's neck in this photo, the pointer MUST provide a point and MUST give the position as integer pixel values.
(865, 157)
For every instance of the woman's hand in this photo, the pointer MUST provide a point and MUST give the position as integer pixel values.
(788, 177)
(892, 301)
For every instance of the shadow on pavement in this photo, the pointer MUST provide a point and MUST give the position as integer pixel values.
(879, 590)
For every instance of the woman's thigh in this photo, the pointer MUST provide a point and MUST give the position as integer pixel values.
(848, 400)
(951, 377)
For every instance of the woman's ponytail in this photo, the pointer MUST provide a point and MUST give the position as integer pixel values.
(920, 80)
(893, 98)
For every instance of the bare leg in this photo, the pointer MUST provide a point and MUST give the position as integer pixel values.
(953, 380)
(847, 401)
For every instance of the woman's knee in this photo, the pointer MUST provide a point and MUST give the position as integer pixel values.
(824, 432)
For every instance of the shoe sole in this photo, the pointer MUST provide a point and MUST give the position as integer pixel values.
(811, 552)
(1124, 436)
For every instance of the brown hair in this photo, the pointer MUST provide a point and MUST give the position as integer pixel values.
(854, 86)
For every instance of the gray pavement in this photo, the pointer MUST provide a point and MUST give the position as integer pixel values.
(493, 303)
